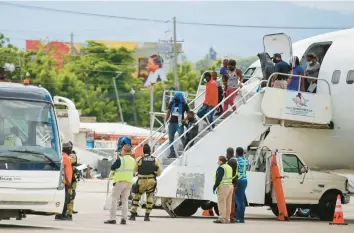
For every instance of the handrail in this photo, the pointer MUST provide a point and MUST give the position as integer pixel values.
(201, 119)
(206, 128)
(155, 141)
(301, 76)
(162, 126)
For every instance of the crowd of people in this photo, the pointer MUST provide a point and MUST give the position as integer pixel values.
(230, 186)
(230, 183)
(216, 90)
(292, 81)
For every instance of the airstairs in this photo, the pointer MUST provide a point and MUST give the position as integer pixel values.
(188, 180)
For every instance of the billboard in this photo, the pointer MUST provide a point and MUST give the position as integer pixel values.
(150, 57)
(55, 49)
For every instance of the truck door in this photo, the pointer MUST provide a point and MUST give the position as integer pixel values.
(278, 43)
(295, 191)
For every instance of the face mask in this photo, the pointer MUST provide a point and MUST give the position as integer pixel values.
(309, 62)
(190, 119)
(275, 60)
(232, 68)
(205, 80)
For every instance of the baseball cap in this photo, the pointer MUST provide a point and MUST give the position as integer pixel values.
(276, 55)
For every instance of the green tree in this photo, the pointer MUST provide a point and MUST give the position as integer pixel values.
(95, 71)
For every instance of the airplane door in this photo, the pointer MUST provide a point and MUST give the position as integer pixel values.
(278, 43)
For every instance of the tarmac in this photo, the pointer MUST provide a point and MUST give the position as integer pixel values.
(91, 198)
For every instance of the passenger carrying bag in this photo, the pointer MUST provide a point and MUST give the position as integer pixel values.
(267, 66)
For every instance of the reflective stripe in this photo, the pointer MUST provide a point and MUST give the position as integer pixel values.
(126, 170)
(10, 140)
(227, 178)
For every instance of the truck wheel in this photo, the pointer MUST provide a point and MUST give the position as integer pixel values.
(291, 210)
(187, 208)
(327, 205)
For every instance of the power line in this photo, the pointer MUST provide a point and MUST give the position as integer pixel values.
(81, 13)
(166, 21)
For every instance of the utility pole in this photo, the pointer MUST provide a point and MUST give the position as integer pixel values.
(175, 68)
(20, 66)
(173, 54)
(72, 43)
(117, 96)
(132, 92)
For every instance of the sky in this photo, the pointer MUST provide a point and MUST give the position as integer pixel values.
(20, 24)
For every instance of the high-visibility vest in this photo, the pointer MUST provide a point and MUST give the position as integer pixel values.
(242, 168)
(227, 178)
(10, 140)
(125, 172)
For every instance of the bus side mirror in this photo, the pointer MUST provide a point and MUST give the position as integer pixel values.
(74, 120)
(73, 114)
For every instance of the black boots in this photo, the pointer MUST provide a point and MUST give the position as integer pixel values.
(147, 218)
(132, 217)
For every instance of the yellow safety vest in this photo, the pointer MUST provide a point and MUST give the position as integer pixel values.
(10, 140)
(227, 178)
(125, 172)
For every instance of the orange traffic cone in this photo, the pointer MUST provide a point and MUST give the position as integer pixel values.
(208, 212)
(338, 218)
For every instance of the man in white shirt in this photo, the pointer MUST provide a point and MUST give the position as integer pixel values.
(156, 74)
(13, 138)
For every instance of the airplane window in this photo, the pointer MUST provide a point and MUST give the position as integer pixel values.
(350, 77)
(336, 77)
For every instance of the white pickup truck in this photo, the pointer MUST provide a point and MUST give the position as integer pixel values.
(303, 188)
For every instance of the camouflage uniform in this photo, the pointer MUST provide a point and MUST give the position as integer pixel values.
(76, 179)
(148, 169)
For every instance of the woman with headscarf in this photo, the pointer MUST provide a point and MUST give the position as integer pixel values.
(176, 110)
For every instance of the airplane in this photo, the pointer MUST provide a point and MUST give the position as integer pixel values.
(321, 149)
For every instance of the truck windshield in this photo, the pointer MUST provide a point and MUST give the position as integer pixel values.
(28, 132)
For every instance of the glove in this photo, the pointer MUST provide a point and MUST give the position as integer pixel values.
(214, 191)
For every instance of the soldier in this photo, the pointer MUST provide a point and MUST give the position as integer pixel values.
(75, 180)
(148, 169)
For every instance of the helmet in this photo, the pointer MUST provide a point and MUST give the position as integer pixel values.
(124, 141)
(67, 147)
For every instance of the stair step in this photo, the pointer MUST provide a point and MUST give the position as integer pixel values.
(167, 161)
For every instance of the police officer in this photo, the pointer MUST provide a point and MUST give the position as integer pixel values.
(13, 139)
(68, 172)
(148, 169)
(75, 180)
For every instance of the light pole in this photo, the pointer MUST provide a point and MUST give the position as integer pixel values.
(132, 92)
(117, 96)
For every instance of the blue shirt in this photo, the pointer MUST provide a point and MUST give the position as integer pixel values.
(282, 67)
(223, 70)
(243, 165)
(294, 81)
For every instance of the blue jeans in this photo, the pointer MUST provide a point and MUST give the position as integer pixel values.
(172, 129)
(204, 110)
(240, 198)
